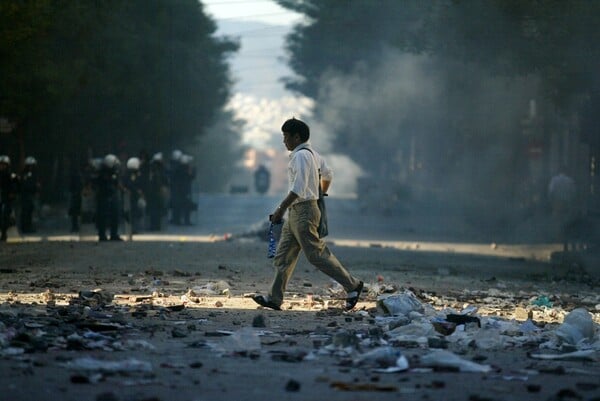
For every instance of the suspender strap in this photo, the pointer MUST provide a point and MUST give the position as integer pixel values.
(318, 169)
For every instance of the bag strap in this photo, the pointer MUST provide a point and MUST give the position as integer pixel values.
(321, 194)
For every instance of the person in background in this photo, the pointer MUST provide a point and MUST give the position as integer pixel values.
(30, 191)
(144, 177)
(299, 232)
(262, 179)
(75, 193)
(176, 180)
(108, 187)
(188, 176)
(91, 170)
(157, 194)
(134, 193)
(562, 195)
(9, 188)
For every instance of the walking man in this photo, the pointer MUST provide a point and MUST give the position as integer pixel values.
(300, 229)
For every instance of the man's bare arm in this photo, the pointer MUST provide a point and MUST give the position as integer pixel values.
(280, 211)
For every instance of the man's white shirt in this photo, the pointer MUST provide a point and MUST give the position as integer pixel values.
(303, 172)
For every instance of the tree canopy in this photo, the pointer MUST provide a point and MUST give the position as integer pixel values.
(103, 76)
(553, 38)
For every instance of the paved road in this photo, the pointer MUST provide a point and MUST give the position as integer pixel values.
(220, 215)
(431, 231)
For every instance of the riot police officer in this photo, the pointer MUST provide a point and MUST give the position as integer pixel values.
(108, 188)
(9, 186)
(135, 200)
(30, 189)
(176, 180)
(158, 192)
(188, 176)
(76, 182)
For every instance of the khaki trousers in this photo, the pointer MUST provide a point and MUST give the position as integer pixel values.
(299, 232)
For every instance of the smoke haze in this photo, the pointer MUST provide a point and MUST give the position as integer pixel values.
(405, 118)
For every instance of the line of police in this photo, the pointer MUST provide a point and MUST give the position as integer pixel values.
(13, 187)
(101, 193)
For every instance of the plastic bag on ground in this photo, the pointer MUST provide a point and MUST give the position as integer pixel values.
(577, 327)
(400, 304)
(415, 329)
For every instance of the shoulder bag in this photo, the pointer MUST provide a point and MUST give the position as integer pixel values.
(322, 229)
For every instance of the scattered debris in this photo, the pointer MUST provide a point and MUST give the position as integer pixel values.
(343, 386)
(400, 304)
(577, 328)
(443, 360)
(384, 359)
(587, 355)
(292, 386)
(403, 331)
(126, 367)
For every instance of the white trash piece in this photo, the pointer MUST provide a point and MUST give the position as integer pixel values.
(577, 327)
(446, 359)
(220, 287)
(387, 359)
(127, 366)
(586, 355)
(400, 304)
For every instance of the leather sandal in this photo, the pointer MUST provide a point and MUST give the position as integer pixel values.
(353, 297)
(266, 302)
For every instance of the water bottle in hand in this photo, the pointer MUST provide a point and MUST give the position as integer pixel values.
(272, 243)
(274, 235)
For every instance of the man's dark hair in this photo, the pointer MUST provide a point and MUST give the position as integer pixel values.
(294, 126)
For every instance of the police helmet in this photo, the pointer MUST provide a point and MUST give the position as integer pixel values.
(30, 161)
(133, 163)
(111, 160)
(158, 157)
(176, 155)
(5, 159)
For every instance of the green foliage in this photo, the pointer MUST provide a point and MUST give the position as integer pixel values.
(341, 33)
(23, 26)
(553, 38)
(112, 75)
